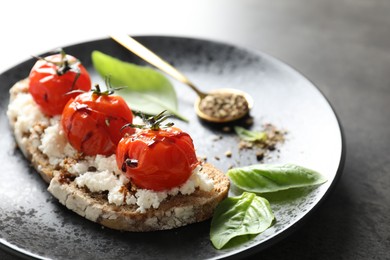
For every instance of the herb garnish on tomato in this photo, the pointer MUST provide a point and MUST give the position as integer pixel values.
(93, 120)
(53, 77)
(157, 157)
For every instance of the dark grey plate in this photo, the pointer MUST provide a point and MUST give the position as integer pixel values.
(33, 224)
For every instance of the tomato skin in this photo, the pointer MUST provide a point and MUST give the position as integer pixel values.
(163, 159)
(93, 122)
(49, 89)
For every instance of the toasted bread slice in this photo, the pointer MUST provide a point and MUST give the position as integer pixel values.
(174, 211)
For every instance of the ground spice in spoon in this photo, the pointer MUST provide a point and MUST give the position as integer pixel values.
(224, 105)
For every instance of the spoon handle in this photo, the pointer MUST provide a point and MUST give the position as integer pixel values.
(147, 55)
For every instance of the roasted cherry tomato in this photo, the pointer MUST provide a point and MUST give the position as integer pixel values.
(158, 159)
(53, 77)
(92, 122)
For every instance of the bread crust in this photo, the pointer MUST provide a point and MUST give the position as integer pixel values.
(25, 142)
(173, 212)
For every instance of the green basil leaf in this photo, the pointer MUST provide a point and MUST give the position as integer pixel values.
(250, 136)
(263, 178)
(238, 216)
(144, 88)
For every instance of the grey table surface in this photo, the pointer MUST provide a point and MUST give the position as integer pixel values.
(343, 46)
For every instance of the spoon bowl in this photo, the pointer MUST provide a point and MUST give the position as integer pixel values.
(218, 106)
(231, 112)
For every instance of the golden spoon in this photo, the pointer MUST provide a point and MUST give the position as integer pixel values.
(218, 106)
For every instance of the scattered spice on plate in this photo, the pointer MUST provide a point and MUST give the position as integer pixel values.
(260, 155)
(228, 153)
(217, 137)
(226, 129)
(263, 142)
